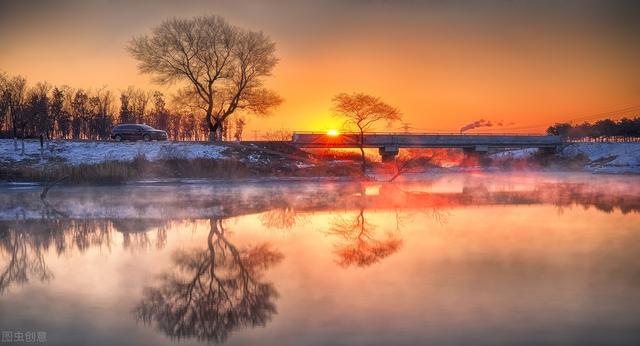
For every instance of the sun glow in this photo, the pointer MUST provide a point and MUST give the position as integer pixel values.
(332, 133)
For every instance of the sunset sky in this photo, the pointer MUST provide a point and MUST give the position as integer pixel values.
(444, 64)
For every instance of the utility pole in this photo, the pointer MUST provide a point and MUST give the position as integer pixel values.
(255, 135)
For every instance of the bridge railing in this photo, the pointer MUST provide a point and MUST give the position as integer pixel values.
(424, 140)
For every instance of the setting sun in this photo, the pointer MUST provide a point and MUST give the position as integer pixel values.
(332, 133)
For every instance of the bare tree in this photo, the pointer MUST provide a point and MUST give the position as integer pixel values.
(159, 115)
(56, 111)
(36, 120)
(101, 114)
(133, 105)
(277, 135)
(14, 94)
(362, 112)
(223, 65)
(3, 101)
(239, 128)
(80, 112)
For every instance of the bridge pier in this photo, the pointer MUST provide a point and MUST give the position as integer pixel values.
(388, 153)
(475, 149)
(549, 150)
(476, 155)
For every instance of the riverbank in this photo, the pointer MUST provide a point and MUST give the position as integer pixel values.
(599, 158)
(91, 162)
(110, 162)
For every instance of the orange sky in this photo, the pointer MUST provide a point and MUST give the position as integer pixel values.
(443, 64)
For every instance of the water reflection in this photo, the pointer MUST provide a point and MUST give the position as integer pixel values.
(77, 219)
(283, 218)
(24, 242)
(220, 286)
(213, 291)
(135, 232)
(23, 259)
(359, 244)
(284, 206)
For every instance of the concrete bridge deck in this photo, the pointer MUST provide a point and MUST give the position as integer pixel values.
(389, 143)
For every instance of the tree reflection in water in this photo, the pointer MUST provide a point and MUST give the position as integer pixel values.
(135, 232)
(359, 246)
(284, 218)
(24, 243)
(212, 291)
(24, 259)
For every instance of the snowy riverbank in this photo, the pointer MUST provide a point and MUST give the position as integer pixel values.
(606, 157)
(611, 158)
(93, 152)
(90, 162)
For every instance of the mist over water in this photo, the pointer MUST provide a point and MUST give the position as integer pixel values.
(469, 259)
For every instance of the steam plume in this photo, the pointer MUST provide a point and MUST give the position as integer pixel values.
(478, 123)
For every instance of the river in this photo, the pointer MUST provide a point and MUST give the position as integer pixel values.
(462, 259)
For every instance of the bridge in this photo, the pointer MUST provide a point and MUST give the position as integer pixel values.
(389, 143)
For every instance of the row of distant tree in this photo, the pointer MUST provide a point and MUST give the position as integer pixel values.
(219, 67)
(625, 129)
(70, 113)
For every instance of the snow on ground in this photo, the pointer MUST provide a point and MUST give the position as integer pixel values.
(603, 157)
(514, 154)
(607, 157)
(91, 152)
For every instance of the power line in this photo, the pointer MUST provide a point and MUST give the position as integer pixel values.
(621, 111)
(602, 115)
(584, 118)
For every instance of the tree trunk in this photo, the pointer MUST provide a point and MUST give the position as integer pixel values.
(215, 132)
(211, 124)
(364, 159)
(15, 135)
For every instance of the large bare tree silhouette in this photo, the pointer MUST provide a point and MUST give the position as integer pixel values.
(222, 66)
(212, 291)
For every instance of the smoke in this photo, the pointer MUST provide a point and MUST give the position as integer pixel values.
(476, 124)
(479, 123)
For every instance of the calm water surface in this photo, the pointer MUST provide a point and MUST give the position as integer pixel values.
(470, 259)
